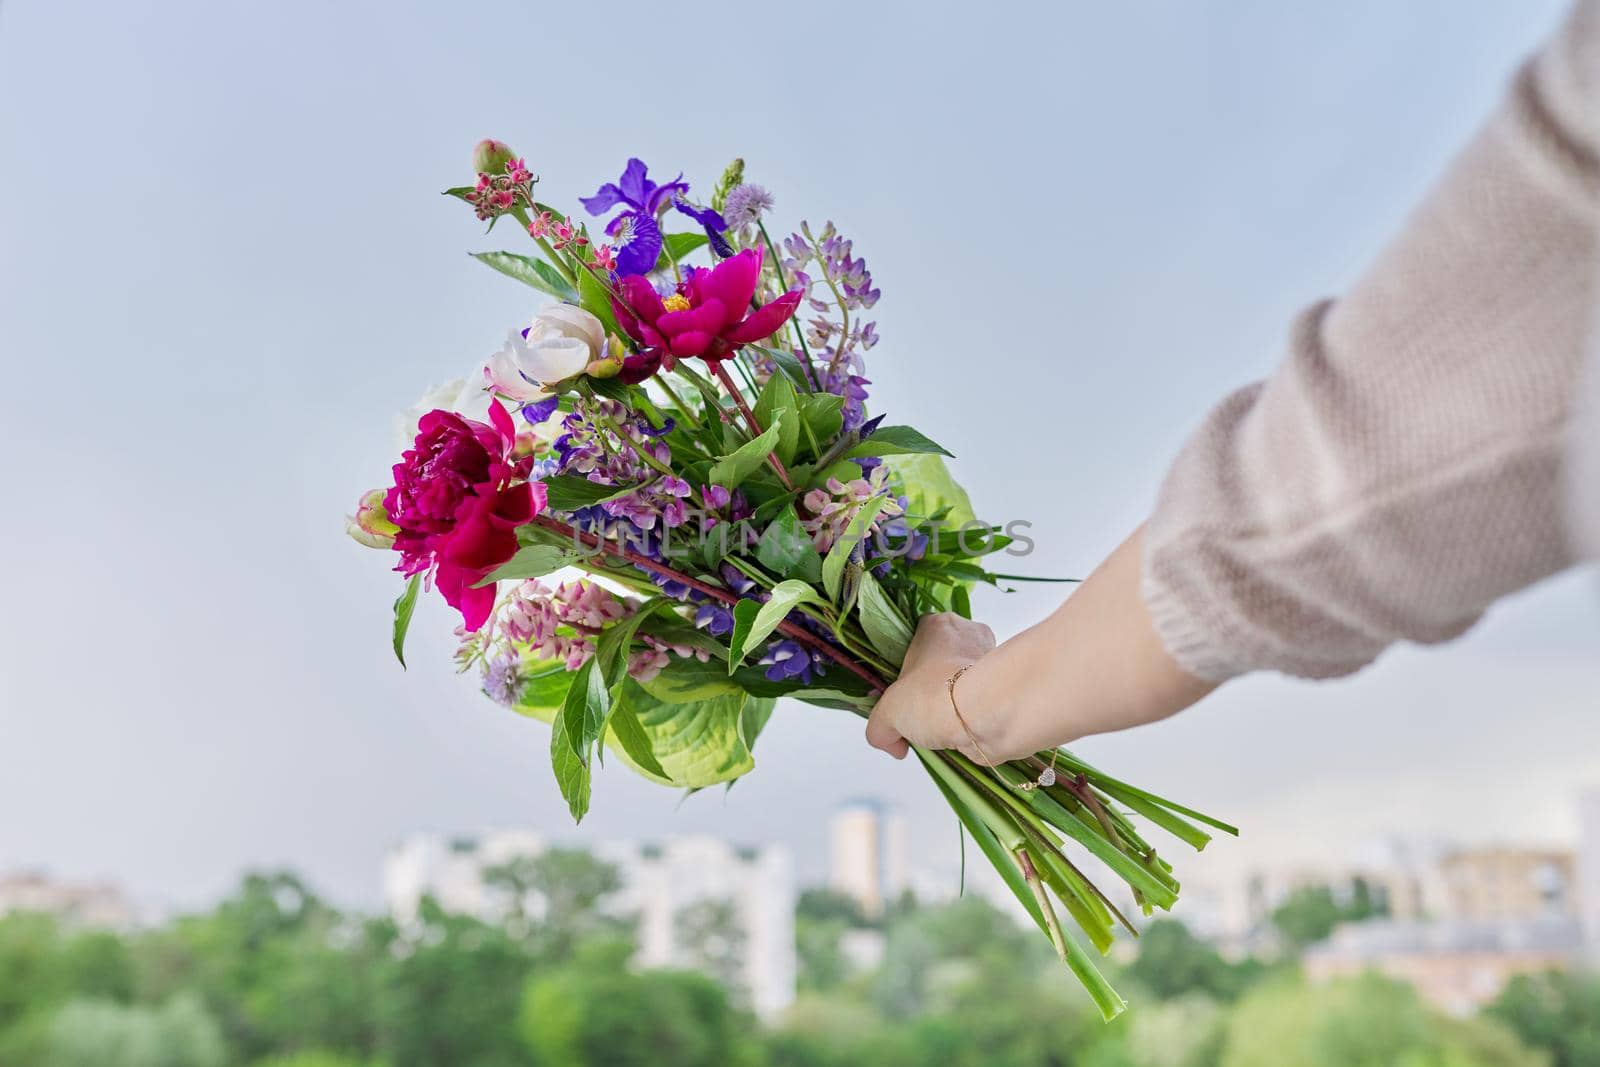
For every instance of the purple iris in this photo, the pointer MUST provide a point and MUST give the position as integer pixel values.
(644, 201)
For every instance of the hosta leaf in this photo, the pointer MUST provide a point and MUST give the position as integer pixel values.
(929, 488)
(686, 680)
(696, 744)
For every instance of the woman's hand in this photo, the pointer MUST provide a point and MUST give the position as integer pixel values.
(1095, 665)
(916, 709)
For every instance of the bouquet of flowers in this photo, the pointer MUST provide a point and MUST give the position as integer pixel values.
(729, 522)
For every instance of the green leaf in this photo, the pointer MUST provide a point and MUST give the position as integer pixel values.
(544, 692)
(791, 366)
(584, 711)
(594, 298)
(929, 488)
(569, 492)
(823, 412)
(571, 773)
(881, 621)
(745, 460)
(532, 271)
(785, 597)
(695, 744)
(753, 719)
(403, 608)
(534, 561)
(611, 651)
(573, 733)
(684, 681)
(839, 554)
(744, 617)
(638, 750)
(778, 405)
(679, 245)
(786, 549)
(895, 441)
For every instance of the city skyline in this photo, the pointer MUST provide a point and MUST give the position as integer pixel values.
(195, 672)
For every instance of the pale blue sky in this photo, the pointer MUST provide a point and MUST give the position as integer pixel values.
(224, 265)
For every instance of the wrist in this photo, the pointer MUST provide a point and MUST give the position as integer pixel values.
(978, 727)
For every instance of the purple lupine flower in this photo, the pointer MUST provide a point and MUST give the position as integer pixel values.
(537, 411)
(714, 619)
(788, 661)
(638, 227)
(735, 579)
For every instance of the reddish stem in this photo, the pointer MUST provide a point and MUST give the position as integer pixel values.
(750, 419)
(788, 629)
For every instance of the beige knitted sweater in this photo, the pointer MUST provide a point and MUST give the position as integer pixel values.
(1406, 465)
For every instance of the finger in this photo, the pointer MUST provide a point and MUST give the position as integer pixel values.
(881, 734)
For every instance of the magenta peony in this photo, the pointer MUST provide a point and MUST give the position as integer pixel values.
(457, 500)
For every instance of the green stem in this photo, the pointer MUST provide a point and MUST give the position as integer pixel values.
(794, 322)
(750, 419)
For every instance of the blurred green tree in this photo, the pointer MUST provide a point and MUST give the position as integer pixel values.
(558, 898)
(1311, 912)
(1556, 1011)
(1172, 962)
(712, 937)
(449, 993)
(585, 1016)
(97, 1033)
(1369, 1021)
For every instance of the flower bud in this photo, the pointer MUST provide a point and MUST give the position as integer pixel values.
(370, 525)
(609, 363)
(731, 177)
(491, 156)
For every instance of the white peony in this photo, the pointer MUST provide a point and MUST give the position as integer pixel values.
(562, 341)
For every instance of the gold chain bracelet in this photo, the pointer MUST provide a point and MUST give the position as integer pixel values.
(1047, 777)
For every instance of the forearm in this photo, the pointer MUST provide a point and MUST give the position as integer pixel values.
(1095, 665)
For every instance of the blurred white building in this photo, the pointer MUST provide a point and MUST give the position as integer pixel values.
(867, 854)
(1457, 964)
(93, 904)
(660, 882)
